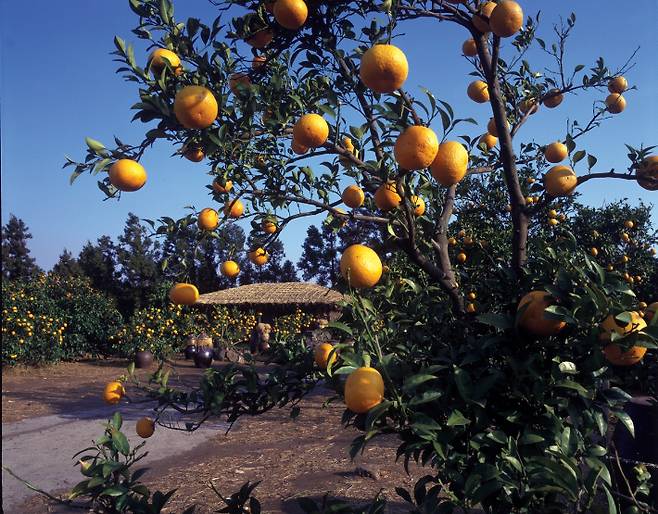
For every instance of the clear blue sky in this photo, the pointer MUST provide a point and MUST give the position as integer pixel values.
(58, 86)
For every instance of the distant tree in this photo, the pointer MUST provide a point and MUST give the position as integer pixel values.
(138, 256)
(368, 234)
(207, 279)
(67, 266)
(99, 263)
(178, 256)
(17, 263)
(319, 260)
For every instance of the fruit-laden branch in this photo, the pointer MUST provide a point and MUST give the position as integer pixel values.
(517, 200)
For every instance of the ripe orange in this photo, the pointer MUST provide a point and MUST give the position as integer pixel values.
(208, 219)
(450, 164)
(625, 237)
(647, 173)
(629, 224)
(529, 105)
(259, 256)
(553, 222)
(452, 241)
(419, 205)
(219, 188)
(260, 38)
(194, 154)
(238, 83)
(364, 389)
(183, 294)
(461, 257)
(478, 91)
(491, 127)
(113, 392)
(387, 197)
(269, 226)
(234, 208)
(618, 85)
(290, 14)
(506, 19)
(469, 48)
(297, 148)
(481, 19)
(615, 103)
(311, 130)
(533, 318)
(321, 355)
(347, 144)
(159, 56)
(552, 213)
(610, 325)
(615, 355)
(384, 68)
(470, 308)
(560, 181)
(145, 427)
(488, 140)
(556, 152)
(594, 251)
(195, 107)
(416, 148)
(127, 175)
(554, 99)
(258, 61)
(360, 266)
(472, 296)
(353, 196)
(229, 269)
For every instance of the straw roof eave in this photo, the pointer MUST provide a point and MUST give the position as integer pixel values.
(275, 293)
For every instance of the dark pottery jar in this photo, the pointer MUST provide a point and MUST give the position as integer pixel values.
(203, 357)
(190, 351)
(143, 359)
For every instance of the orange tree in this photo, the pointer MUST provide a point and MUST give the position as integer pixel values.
(506, 401)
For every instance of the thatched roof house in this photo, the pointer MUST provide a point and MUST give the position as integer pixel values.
(277, 298)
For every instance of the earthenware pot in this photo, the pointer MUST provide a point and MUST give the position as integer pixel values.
(190, 351)
(203, 357)
(219, 353)
(143, 359)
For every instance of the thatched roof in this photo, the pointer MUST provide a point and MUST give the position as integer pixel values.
(277, 293)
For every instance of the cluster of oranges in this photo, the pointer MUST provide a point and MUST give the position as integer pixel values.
(153, 329)
(230, 325)
(292, 324)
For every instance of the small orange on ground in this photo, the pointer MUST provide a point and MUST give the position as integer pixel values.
(387, 197)
(615, 103)
(290, 14)
(618, 85)
(269, 226)
(321, 355)
(478, 91)
(360, 266)
(208, 219)
(219, 188)
(229, 269)
(553, 98)
(384, 68)
(145, 427)
(594, 251)
(194, 154)
(234, 208)
(364, 389)
(183, 293)
(488, 141)
(416, 148)
(469, 48)
(461, 257)
(195, 107)
(127, 175)
(113, 392)
(260, 38)
(159, 56)
(629, 224)
(615, 355)
(647, 173)
(297, 148)
(353, 196)
(418, 204)
(560, 181)
(311, 130)
(610, 325)
(556, 152)
(533, 319)
(506, 19)
(259, 256)
(238, 83)
(258, 61)
(450, 164)
(481, 19)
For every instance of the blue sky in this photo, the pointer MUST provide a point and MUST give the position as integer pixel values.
(58, 85)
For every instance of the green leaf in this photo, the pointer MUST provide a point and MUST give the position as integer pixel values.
(340, 326)
(626, 421)
(414, 381)
(495, 320)
(94, 146)
(120, 442)
(457, 419)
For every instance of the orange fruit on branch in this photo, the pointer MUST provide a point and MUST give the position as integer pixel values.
(618, 85)
(194, 154)
(556, 152)
(478, 91)
(208, 219)
(647, 173)
(450, 164)
(321, 355)
(360, 266)
(610, 324)
(195, 107)
(387, 197)
(259, 256)
(234, 208)
(229, 269)
(416, 148)
(183, 293)
(269, 226)
(553, 98)
(260, 38)
(488, 140)
(239, 82)
(145, 427)
(290, 14)
(532, 317)
(258, 61)
(560, 181)
(469, 48)
(418, 204)
(127, 175)
(353, 196)
(311, 131)
(219, 188)
(481, 18)
(384, 68)
(615, 103)
(491, 127)
(113, 392)
(364, 389)
(615, 355)
(159, 56)
(529, 105)
(506, 19)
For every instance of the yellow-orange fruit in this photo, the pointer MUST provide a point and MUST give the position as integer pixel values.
(615, 103)
(506, 19)
(290, 14)
(553, 98)
(297, 148)
(594, 251)
(491, 127)
(234, 208)
(159, 56)
(260, 38)
(353, 196)
(364, 389)
(145, 427)
(321, 355)
(229, 269)
(195, 107)
(481, 19)
(610, 325)
(618, 85)
(529, 105)
(387, 197)
(113, 392)
(488, 140)
(461, 257)
(259, 256)
(533, 319)
(615, 355)
(269, 227)
(194, 154)
(418, 204)
(127, 175)
(416, 148)
(560, 181)
(556, 152)
(384, 68)
(311, 130)
(450, 164)
(469, 48)
(208, 219)
(647, 173)
(219, 188)
(478, 91)
(360, 266)
(183, 294)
